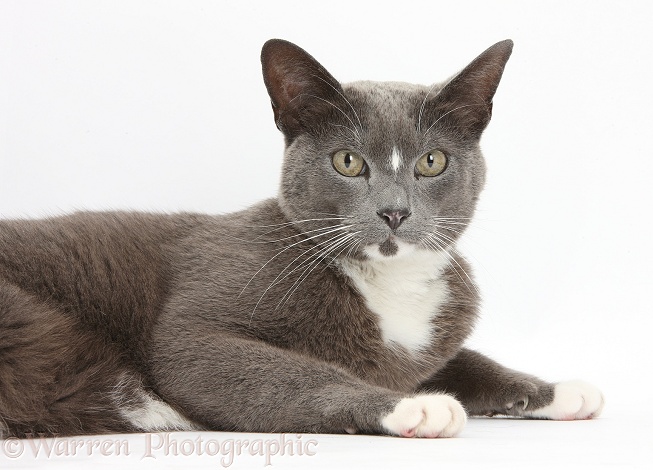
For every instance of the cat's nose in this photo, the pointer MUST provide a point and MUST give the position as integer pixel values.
(393, 218)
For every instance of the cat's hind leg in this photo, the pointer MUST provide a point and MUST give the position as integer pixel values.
(55, 377)
(487, 388)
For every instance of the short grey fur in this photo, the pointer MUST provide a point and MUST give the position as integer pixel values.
(341, 305)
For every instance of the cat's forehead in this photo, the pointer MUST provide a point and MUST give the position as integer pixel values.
(389, 98)
(389, 111)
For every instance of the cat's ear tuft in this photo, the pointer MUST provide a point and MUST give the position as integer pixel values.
(299, 87)
(467, 98)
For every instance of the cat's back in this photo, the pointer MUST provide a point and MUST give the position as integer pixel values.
(88, 245)
(108, 268)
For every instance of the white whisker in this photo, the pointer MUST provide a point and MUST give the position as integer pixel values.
(347, 128)
(299, 234)
(437, 238)
(289, 247)
(344, 98)
(354, 130)
(421, 108)
(293, 222)
(449, 112)
(354, 247)
(276, 280)
(333, 246)
(319, 246)
(449, 229)
(437, 247)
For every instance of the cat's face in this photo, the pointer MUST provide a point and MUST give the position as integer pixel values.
(387, 167)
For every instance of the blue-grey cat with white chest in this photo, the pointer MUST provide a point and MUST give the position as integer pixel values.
(342, 305)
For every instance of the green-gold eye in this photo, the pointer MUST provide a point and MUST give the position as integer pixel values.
(431, 163)
(348, 163)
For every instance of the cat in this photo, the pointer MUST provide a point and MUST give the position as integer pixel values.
(340, 306)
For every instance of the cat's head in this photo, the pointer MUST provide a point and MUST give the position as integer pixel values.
(391, 167)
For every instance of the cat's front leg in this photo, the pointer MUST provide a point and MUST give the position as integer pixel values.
(235, 384)
(488, 388)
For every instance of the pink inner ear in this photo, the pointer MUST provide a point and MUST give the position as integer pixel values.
(290, 72)
(481, 77)
(466, 101)
(290, 89)
(284, 67)
(279, 90)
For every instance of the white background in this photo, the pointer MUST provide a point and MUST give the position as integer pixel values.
(161, 106)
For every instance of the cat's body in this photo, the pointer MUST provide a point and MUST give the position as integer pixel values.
(302, 313)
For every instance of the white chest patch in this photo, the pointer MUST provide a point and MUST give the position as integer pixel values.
(406, 292)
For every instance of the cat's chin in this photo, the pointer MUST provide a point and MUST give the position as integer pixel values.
(391, 248)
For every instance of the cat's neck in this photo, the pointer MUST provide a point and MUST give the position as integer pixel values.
(405, 291)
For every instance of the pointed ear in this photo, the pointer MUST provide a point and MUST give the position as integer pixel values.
(301, 89)
(466, 101)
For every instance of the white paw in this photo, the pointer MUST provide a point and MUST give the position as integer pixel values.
(574, 399)
(426, 416)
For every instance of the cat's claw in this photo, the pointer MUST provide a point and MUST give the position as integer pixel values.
(572, 400)
(436, 415)
(521, 403)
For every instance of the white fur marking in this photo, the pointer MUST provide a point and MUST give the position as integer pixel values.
(156, 415)
(574, 399)
(435, 415)
(405, 291)
(146, 411)
(395, 160)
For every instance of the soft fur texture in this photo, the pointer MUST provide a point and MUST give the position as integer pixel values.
(341, 305)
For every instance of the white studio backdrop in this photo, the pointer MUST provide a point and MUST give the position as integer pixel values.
(161, 106)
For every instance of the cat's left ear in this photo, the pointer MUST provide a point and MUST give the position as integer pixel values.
(466, 101)
(301, 89)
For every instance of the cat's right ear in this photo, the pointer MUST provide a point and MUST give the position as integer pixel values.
(301, 89)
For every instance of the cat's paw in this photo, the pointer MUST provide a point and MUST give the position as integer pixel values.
(518, 396)
(574, 399)
(435, 415)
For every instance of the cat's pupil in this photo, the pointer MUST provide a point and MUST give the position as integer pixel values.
(430, 160)
(347, 160)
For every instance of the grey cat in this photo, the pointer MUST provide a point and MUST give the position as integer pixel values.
(340, 306)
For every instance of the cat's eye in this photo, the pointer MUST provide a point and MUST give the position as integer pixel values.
(431, 163)
(348, 163)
